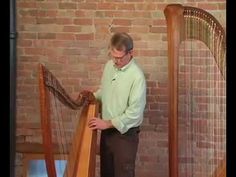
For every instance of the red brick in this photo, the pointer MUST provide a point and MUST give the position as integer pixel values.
(73, 81)
(135, 0)
(208, 6)
(83, 21)
(146, 6)
(89, 36)
(28, 58)
(27, 35)
(47, 13)
(126, 14)
(142, 22)
(90, 82)
(158, 29)
(25, 43)
(27, 20)
(161, 6)
(47, 5)
(72, 29)
(26, 4)
(71, 52)
(45, 20)
(106, 6)
(216, 0)
(65, 36)
(34, 51)
(67, 5)
(64, 21)
(121, 22)
(84, 13)
(154, 106)
(42, 42)
(221, 6)
(46, 35)
(125, 7)
(88, 6)
(149, 53)
(159, 22)
(120, 29)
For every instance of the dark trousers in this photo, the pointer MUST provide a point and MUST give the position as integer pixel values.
(118, 152)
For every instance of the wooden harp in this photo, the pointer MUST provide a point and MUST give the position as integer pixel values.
(197, 113)
(81, 148)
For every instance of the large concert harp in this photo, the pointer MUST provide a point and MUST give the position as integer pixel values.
(81, 151)
(186, 23)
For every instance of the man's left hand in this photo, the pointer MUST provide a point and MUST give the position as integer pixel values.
(97, 123)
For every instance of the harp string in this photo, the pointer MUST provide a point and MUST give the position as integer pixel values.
(211, 115)
(203, 132)
(203, 112)
(67, 120)
(61, 131)
(58, 130)
(57, 134)
(185, 69)
(211, 92)
(61, 103)
(214, 97)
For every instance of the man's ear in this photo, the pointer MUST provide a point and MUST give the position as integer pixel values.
(131, 52)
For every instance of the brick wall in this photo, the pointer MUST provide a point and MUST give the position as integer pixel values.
(71, 38)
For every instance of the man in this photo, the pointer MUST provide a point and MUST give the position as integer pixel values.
(123, 97)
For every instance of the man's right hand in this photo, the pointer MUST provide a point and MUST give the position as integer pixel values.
(87, 96)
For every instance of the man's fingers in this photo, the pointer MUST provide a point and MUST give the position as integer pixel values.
(92, 122)
(93, 126)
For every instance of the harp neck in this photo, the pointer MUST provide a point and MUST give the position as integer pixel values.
(186, 23)
(53, 85)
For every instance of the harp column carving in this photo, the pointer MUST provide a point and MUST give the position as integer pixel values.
(175, 22)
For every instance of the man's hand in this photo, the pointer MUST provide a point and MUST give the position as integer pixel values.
(86, 96)
(97, 123)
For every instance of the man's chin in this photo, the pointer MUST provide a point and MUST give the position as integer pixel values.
(118, 66)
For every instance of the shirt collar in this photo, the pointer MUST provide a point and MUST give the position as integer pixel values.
(126, 66)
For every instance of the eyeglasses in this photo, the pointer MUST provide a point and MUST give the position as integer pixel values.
(117, 58)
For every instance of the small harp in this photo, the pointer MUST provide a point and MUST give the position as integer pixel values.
(196, 113)
(80, 147)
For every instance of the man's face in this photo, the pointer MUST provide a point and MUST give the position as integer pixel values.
(120, 58)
